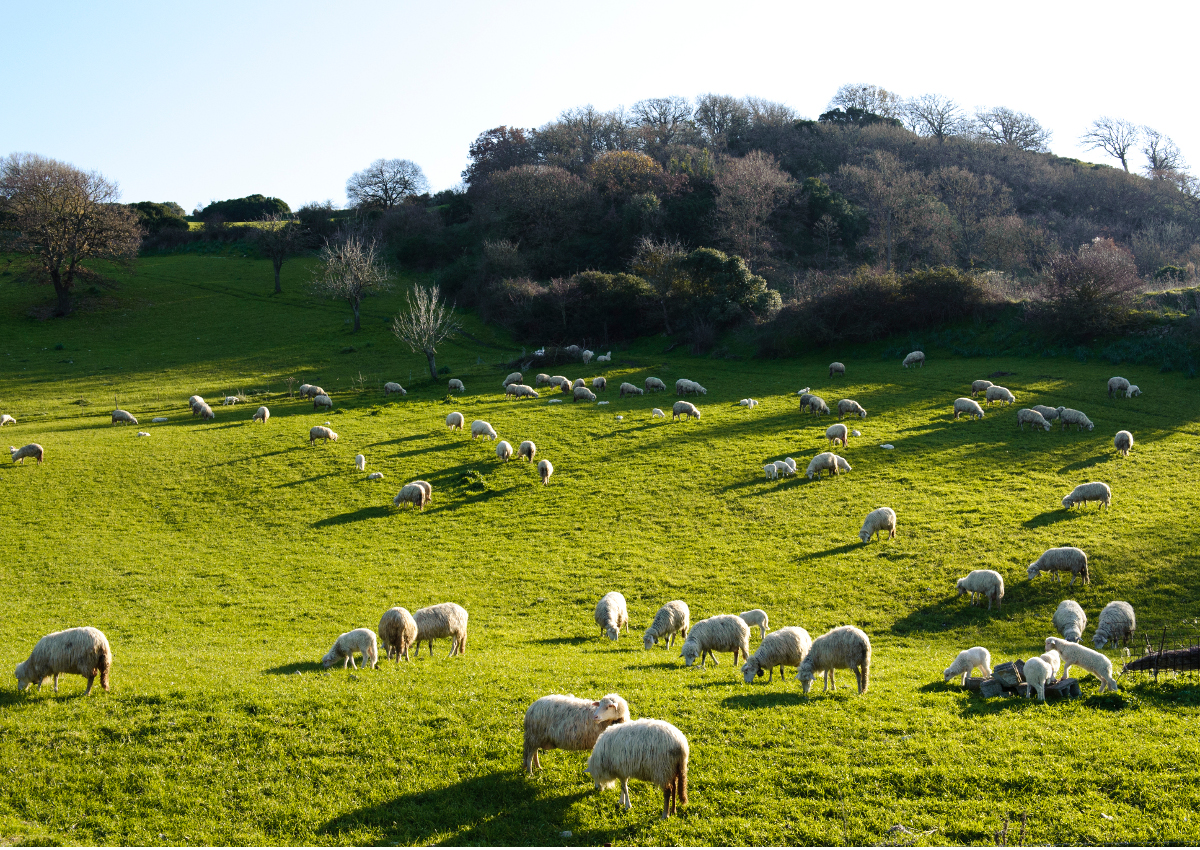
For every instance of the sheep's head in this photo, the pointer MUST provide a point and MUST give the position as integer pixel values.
(1045, 425)
(864, 536)
(1072, 634)
(1100, 640)
(949, 673)
(806, 679)
(750, 670)
(650, 638)
(1033, 572)
(1053, 643)
(1132, 391)
(612, 632)
(1067, 502)
(961, 585)
(689, 652)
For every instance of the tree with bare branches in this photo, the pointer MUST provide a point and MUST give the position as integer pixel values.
(425, 322)
(662, 120)
(934, 115)
(278, 238)
(351, 268)
(1007, 127)
(1164, 160)
(385, 183)
(1114, 136)
(749, 189)
(869, 98)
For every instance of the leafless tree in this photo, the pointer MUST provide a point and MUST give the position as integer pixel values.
(1010, 128)
(61, 217)
(749, 189)
(1090, 288)
(279, 239)
(1114, 136)
(934, 115)
(868, 97)
(720, 116)
(385, 183)
(425, 323)
(1164, 160)
(351, 268)
(657, 262)
(662, 119)
(768, 113)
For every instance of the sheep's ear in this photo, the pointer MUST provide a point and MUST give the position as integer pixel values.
(759, 673)
(595, 703)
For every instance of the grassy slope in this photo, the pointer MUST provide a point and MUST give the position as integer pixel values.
(222, 560)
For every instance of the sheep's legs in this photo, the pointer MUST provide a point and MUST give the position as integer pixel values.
(55, 683)
(625, 801)
(91, 679)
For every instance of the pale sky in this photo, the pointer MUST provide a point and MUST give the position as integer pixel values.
(191, 102)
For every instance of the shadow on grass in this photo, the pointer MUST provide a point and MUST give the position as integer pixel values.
(256, 457)
(413, 452)
(835, 550)
(564, 641)
(769, 699)
(1084, 464)
(306, 480)
(1048, 518)
(372, 512)
(407, 439)
(295, 667)
(673, 663)
(945, 615)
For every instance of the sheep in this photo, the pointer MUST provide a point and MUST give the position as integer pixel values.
(1123, 442)
(397, 631)
(672, 619)
(1031, 417)
(392, 387)
(31, 450)
(805, 398)
(1116, 624)
(569, 723)
(654, 384)
(627, 388)
(756, 617)
(5, 419)
(748, 402)
(480, 428)
(261, 415)
(987, 583)
(1054, 660)
(1074, 417)
(914, 358)
(454, 421)
(783, 468)
(558, 381)
(1061, 559)
(685, 387)
(817, 405)
(849, 406)
(720, 633)
(83, 650)
(967, 406)
(504, 450)
(837, 433)
(803, 390)
(513, 378)
(230, 400)
(1117, 385)
(571, 350)
(1070, 620)
(612, 614)
(826, 461)
(1093, 491)
(653, 751)
(578, 382)
(1075, 655)
(684, 409)
(123, 417)
(783, 648)
(587, 356)
(360, 463)
(582, 393)
(412, 494)
(980, 386)
(880, 519)
(348, 643)
(320, 432)
(656, 413)
(195, 400)
(313, 391)
(836, 368)
(600, 384)
(545, 469)
(143, 433)
(1048, 413)
(966, 661)
(995, 393)
(375, 476)
(527, 450)
(845, 647)
(438, 621)
(455, 385)
(771, 471)
(204, 412)
(1037, 672)
(322, 401)
(525, 391)
(605, 358)
(565, 386)
(1133, 390)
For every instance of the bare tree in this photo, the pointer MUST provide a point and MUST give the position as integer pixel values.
(749, 189)
(1164, 160)
(657, 262)
(870, 98)
(61, 217)
(1114, 136)
(720, 116)
(662, 119)
(385, 183)
(425, 323)
(934, 115)
(279, 239)
(1010, 128)
(351, 269)
(768, 113)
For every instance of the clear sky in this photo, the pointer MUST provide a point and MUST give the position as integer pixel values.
(191, 102)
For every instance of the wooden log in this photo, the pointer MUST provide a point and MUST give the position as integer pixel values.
(1172, 659)
(1008, 674)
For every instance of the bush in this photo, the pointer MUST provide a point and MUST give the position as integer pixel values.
(1089, 292)
(249, 208)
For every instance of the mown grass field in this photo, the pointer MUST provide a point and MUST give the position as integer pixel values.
(222, 560)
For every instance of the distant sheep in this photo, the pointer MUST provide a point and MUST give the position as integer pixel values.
(805, 398)
(672, 619)
(587, 356)
(83, 650)
(817, 406)
(653, 751)
(627, 388)
(1059, 560)
(1070, 620)
(6, 419)
(439, 621)
(204, 412)
(545, 469)
(849, 406)
(1133, 390)
(541, 379)
(756, 617)
(558, 381)
(843, 648)
(600, 384)
(582, 394)
(360, 463)
(1048, 413)
(123, 417)
(1123, 443)
(1093, 491)
(604, 358)
(1027, 416)
(320, 432)
(455, 385)
(966, 661)
(684, 409)
(1116, 625)
(361, 641)
(322, 401)
(656, 413)
(979, 387)
(721, 633)
(878, 520)
(504, 450)
(479, 428)
(569, 723)
(653, 384)
(520, 391)
(455, 421)
(578, 382)
(914, 358)
(312, 391)
(1117, 385)
(513, 378)
(967, 406)
(612, 614)
(527, 450)
(397, 632)
(826, 462)
(987, 584)
(261, 415)
(771, 471)
(375, 476)
(782, 467)
(143, 433)
(1075, 655)
(836, 368)
(410, 494)
(32, 450)
(195, 400)
(685, 387)
(1074, 417)
(230, 400)
(783, 648)
(995, 393)
(748, 402)
(837, 433)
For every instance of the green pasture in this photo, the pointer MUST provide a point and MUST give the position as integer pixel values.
(223, 559)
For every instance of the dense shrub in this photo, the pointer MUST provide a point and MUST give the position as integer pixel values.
(249, 208)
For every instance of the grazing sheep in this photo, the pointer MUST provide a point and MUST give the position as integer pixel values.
(320, 432)
(513, 378)
(849, 406)
(5, 419)
(721, 633)
(967, 406)
(1070, 620)
(1037, 672)
(123, 417)
(261, 415)
(322, 401)
(1048, 413)
(805, 398)
(1093, 491)
(653, 751)
(392, 387)
(1133, 390)
(360, 463)
(653, 384)
(600, 384)
(783, 648)
(878, 520)
(397, 631)
(1054, 660)
(412, 494)
(1027, 416)
(569, 723)
(504, 450)
(143, 433)
(684, 409)
(995, 393)
(1123, 442)
(545, 469)
(313, 391)
(979, 386)
(836, 368)
(837, 433)
(672, 619)
(817, 405)
(756, 617)
(1116, 624)
(82, 650)
(195, 400)
(479, 428)
(1075, 655)
(966, 661)
(987, 583)
(656, 413)
(782, 467)
(427, 487)
(1067, 416)
(348, 643)
(438, 621)
(828, 462)
(230, 400)
(771, 471)
(565, 387)
(527, 450)
(455, 421)
(578, 382)
(558, 381)
(587, 356)
(204, 412)
(612, 614)
(375, 476)
(1061, 559)
(582, 393)
(571, 350)
(1117, 385)
(845, 647)
(31, 450)
(455, 385)
(627, 388)
(914, 358)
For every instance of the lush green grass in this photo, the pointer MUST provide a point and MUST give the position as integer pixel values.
(222, 559)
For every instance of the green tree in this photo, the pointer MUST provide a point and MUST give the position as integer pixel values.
(279, 239)
(249, 208)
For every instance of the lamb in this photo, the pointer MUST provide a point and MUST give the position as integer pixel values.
(587, 356)
(438, 621)
(967, 406)
(849, 406)
(375, 476)
(783, 468)
(397, 631)
(1075, 655)
(1032, 417)
(748, 402)
(836, 368)
(527, 450)
(987, 583)
(83, 650)
(771, 471)
(915, 358)
(1037, 673)
(656, 413)
(412, 494)
(817, 405)
(995, 393)
(654, 384)
(979, 386)
(1048, 413)
(966, 661)
(143, 433)
(826, 461)
(845, 647)
(684, 409)
(1061, 559)
(455, 385)
(1133, 390)
(5, 419)
(838, 433)
(348, 643)
(653, 751)
(583, 393)
(261, 415)
(513, 378)
(880, 519)
(504, 450)
(123, 417)
(320, 432)
(542, 378)
(600, 384)
(1117, 385)
(783, 648)
(612, 614)
(569, 723)
(545, 469)
(322, 401)
(604, 358)
(1123, 442)
(1070, 620)
(1093, 491)
(31, 450)
(1074, 417)
(672, 619)
(1116, 624)
(756, 617)
(204, 412)
(455, 421)
(627, 388)
(720, 633)
(1054, 660)
(230, 400)
(479, 428)
(360, 463)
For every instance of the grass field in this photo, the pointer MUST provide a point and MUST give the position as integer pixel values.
(222, 560)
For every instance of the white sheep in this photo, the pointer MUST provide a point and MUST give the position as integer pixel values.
(320, 432)
(653, 751)
(967, 406)
(817, 406)
(1093, 491)
(1068, 416)
(427, 487)
(966, 662)
(1048, 413)
(782, 467)
(160, 419)
(748, 402)
(143, 433)
(230, 400)
(803, 391)
(783, 648)
(520, 391)
(1037, 673)
(673, 618)
(83, 650)
(756, 617)
(360, 463)
(582, 393)
(558, 381)
(527, 450)
(653, 384)
(1054, 660)
(123, 417)
(995, 393)
(836, 368)
(1061, 559)
(914, 358)
(578, 382)
(1116, 625)
(479, 428)
(313, 391)
(359, 640)
(455, 421)
(843, 648)
(837, 433)
(375, 476)
(322, 401)
(1031, 417)
(848, 406)
(1117, 385)
(504, 450)
(541, 379)
(587, 356)
(411, 494)
(261, 415)
(600, 383)
(438, 621)
(204, 412)
(878, 520)
(397, 632)
(986, 583)
(32, 450)
(827, 462)
(805, 398)
(195, 400)
(627, 388)
(455, 385)
(656, 413)
(771, 471)
(604, 358)
(6, 419)
(513, 378)
(720, 633)
(1133, 390)
(684, 409)
(569, 723)
(1075, 655)
(1123, 443)
(612, 614)
(979, 386)
(545, 469)
(1070, 620)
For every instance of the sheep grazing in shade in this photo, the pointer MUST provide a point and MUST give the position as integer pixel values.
(545, 469)
(322, 401)
(817, 406)
(1061, 559)
(541, 379)
(1123, 443)
(1116, 625)
(686, 387)
(204, 412)
(1048, 413)
(627, 388)
(653, 384)
(320, 432)
(684, 409)
(979, 386)
(850, 407)
(361, 641)
(878, 520)
(1117, 385)
(914, 358)
(987, 584)
(604, 358)
(783, 648)
(558, 381)
(838, 433)
(427, 487)
(33, 450)
(392, 387)
(836, 368)
(1133, 390)
(1070, 620)
(397, 631)
(967, 406)
(582, 394)
(578, 382)
(455, 421)
(966, 661)
(513, 378)
(565, 386)
(827, 462)
(527, 450)
(1075, 655)
(455, 385)
(656, 413)
(261, 415)
(313, 391)
(1093, 491)
(995, 393)
(521, 391)
(612, 614)
(439, 621)
(805, 399)
(1031, 417)
(479, 428)
(504, 450)
(653, 751)
(1037, 672)
(5, 419)
(360, 463)
(721, 633)
(569, 723)
(411, 494)
(1068, 416)
(756, 617)
(600, 384)
(843, 648)
(123, 417)
(672, 619)
(83, 650)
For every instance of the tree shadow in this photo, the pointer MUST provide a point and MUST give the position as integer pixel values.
(673, 663)
(409, 438)
(444, 447)
(306, 480)
(944, 615)
(372, 512)
(768, 699)
(835, 550)
(564, 640)
(1048, 518)
(256, 457)
(1084, 464)
(295, 667)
